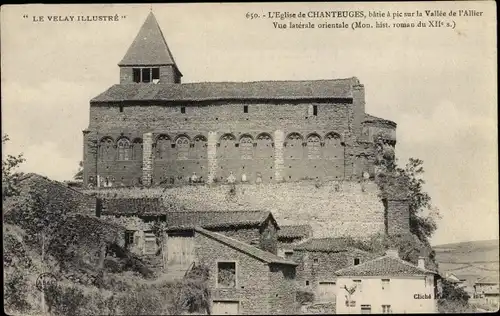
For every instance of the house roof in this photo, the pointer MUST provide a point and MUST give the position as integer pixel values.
(149, 47)
(216, 219)
(252, 251)
(132, 206)
(371, 118)
(488, 280)
(387, 265)
(325, 245)
(220, 91)
(295, 231)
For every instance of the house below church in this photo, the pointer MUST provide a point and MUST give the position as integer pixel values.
(386, 285)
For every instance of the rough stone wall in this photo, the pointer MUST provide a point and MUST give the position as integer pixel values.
(252, 275)
(282, 293)
(318, 267)
(147, 159)
(333, 209)
(398, 216)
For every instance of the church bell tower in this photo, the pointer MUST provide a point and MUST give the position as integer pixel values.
(148, 59)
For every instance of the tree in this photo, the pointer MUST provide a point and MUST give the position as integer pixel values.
(10, 177)
(79, 174)
(423, 226)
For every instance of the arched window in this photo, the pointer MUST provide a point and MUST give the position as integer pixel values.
(182, 144)
(137, 149)
(313, 147)
(227, 148)
(246, 147)
(200, 144)
(333, 146)
(123, 145)
(264, 146)
(293, 146)
(163, 147)
(107, 149)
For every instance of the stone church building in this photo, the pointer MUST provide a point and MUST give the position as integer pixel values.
(151, 128)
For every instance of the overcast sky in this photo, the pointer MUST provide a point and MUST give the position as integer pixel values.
(438, 84)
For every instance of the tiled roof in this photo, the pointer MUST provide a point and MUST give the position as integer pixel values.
(132, 206)
(384, 266)
(257, 253)
(371, 118)
(488, 280)
(215, 219)
(213, 91)
(149, 47)
(295, 231)
(325, 245)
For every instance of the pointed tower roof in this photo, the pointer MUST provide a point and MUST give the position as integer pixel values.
(149, 47)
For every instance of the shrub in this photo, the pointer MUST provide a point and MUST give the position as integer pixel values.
(64, 300)
(304, 297)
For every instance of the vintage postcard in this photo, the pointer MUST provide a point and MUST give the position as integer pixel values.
(243, 159)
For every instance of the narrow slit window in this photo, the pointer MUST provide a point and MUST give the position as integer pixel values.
(121, 108)
(146, 75)
(245, 109)
(183, 109)
(315, 110)
(136, 73)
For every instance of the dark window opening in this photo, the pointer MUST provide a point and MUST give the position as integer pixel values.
(245, 109)
(155, 73)
(183, 109)
(146, 75)
(136, 72)
(356, 261)
(307, 282)
(315, 110)
(226, 274)
(315, 260)
(129, 238)
(121, 108)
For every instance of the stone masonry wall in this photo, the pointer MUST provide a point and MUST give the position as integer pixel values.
(318, 266)
(398, 216)
(252, 284)
(283, 290)
(314, 155)
(333, 209)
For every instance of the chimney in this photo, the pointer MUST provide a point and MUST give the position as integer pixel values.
(421, 262)
(392, 253)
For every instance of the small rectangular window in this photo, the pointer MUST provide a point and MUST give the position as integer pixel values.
(356, 261)
(245, 109)
(358, 285)
(136, 73)
(226, 274)
(315, 110)
(155, 73)
(366, 309)
(129, 238)
(183, 109)
(146, 75)
(307, 282)
(121, 108)
(149, 243)
(385, 284)
(386, 309)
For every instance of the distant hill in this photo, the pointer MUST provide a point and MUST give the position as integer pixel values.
(469, 260)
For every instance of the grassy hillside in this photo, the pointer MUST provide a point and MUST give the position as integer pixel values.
(470, 260)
